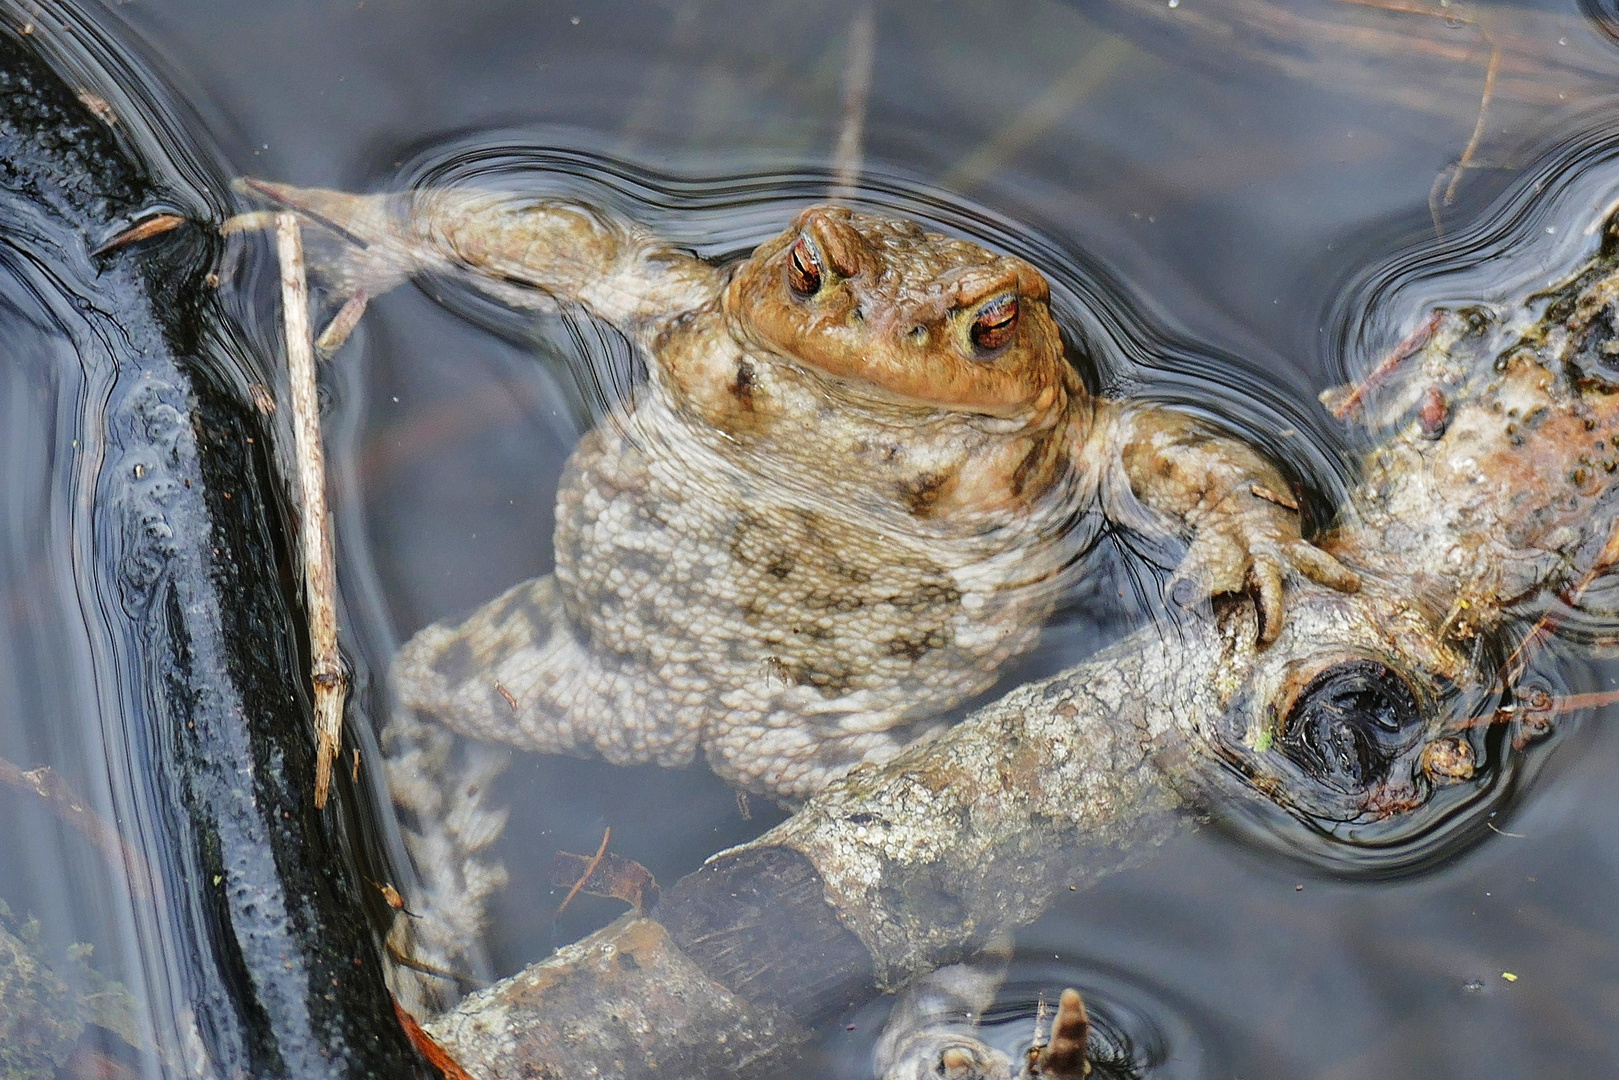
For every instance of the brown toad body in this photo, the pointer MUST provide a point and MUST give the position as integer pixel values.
(843, 498)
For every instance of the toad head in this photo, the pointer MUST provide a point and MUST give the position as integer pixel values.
(924, 318)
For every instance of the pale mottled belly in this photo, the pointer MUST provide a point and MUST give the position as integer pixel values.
(722, 585)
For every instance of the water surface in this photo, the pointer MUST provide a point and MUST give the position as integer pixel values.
(1242, 203)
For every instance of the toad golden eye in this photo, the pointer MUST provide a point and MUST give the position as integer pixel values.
(804, 268)
(995, 324)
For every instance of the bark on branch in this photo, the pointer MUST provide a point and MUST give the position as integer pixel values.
(889, 873)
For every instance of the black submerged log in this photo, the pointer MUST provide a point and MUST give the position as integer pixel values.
(277, 961)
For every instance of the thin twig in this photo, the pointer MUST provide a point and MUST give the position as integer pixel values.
(399, 957)
(1490, 72)
(1593, 700)
(590, 868)
(320, 575)
(1402, 352)
(1550, 706)
(1478, 125)
(1335, 45)
(152, 226)
(846, 158)
(1088, 75)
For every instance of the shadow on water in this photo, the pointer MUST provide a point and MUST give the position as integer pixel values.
(1238, 205)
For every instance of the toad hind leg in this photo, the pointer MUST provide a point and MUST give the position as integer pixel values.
(516, 673)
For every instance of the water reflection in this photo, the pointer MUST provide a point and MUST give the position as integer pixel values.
(85, 907)
(1138, 1029)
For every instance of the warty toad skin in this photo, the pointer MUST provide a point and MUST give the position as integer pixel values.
(843, 498)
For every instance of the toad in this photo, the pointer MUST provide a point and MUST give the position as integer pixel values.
(843, 497)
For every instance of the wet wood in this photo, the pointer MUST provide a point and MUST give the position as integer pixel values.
(891, 872)
(279, 973)
(624, 1002)
(746, 910)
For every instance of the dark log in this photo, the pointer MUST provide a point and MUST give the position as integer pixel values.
(742, 913)
(275, 958)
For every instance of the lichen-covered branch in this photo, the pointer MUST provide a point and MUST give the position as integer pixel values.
(892, 871)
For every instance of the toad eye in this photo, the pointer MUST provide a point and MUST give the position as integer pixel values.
(804, 268)
(995, 324)
(1350, 723)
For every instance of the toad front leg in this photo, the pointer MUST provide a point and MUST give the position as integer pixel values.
(526, 252)
(516, 671)
(1241, 522)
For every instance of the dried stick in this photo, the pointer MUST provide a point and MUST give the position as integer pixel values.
(320, 575)
(1545, 705)
(590, 868)
(152, 226)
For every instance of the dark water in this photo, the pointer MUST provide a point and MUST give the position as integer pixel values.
(1240, 204)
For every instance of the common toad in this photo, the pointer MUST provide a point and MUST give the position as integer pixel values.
(844, 496)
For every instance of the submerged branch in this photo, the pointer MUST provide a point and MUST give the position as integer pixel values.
(1373, 49)
(61, 800)
(891, 872)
